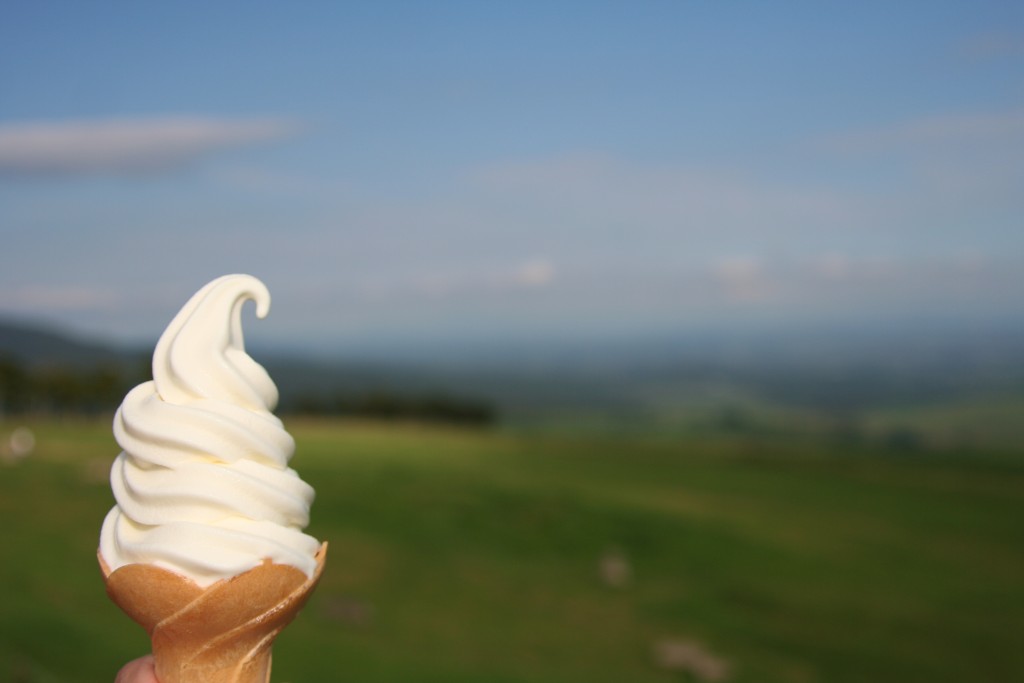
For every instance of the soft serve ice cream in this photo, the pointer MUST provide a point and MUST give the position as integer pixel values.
(203, 486)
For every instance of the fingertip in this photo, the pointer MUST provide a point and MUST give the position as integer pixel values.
(138, 671)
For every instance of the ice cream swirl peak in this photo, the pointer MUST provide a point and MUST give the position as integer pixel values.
(202, 354)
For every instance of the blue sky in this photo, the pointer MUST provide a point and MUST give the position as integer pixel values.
(405, 171)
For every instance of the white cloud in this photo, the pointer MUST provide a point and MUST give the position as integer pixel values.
(737, 269)
(537, 272)
(125, 146)
(743, 279)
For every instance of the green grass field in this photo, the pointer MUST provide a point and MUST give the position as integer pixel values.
(476, 556)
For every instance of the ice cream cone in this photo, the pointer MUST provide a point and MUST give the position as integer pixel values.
(219, 634)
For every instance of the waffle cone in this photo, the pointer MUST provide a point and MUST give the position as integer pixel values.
(219, 634)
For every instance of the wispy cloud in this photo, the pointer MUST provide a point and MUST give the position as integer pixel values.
(992, 45)
(126, 146)
(555, 243)
(35, 298)
(927, 131)
(835, 281)
(633, 206)
(939, 166)
(454, 283)
(263, 180)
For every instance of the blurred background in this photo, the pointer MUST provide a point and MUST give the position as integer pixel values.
(647, 341)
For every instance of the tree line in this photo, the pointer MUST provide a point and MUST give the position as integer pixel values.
(386, 404)
(60, 389)
(71, 390)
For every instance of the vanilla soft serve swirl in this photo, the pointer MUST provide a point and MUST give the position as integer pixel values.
(203, 486)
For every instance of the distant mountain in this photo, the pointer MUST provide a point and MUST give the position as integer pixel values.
(33, 344)
(830, 372)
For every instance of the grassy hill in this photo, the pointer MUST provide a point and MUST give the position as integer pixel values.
(506, 556)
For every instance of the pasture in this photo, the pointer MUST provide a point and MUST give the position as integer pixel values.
(501, 556)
